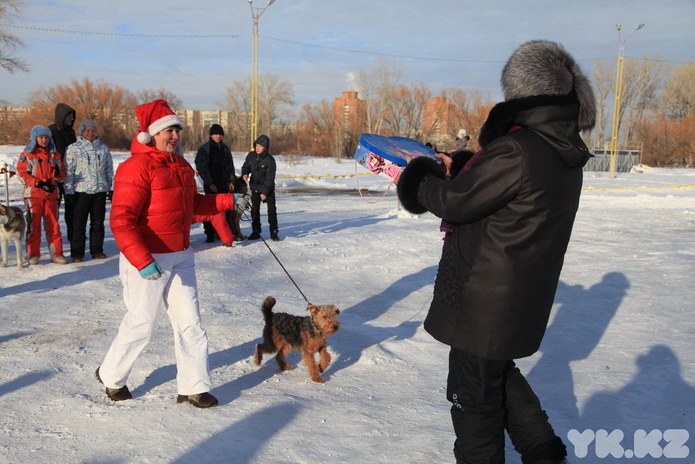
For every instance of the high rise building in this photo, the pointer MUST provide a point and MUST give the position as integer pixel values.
(438, 117)
(350, 112)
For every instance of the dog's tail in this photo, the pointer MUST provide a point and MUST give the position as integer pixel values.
(267, 310)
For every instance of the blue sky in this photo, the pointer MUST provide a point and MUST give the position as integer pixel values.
(317, 45)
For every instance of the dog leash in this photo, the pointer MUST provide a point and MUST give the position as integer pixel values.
(280, 263)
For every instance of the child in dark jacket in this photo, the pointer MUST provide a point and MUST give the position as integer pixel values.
(260, 165)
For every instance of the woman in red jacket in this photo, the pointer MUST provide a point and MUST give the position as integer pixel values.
(41, 168)
(154, 202)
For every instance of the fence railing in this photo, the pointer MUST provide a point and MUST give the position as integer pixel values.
(629, 155)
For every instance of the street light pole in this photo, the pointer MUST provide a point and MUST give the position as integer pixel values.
(256, 13)
(618, 101)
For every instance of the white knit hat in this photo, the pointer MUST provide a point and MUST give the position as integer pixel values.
(154, 117)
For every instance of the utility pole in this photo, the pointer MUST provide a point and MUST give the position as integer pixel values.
(256, 13)
(618, 101)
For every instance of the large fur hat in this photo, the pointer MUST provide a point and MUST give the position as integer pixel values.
(541, 67)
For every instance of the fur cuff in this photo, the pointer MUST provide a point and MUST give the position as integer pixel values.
(411, 179)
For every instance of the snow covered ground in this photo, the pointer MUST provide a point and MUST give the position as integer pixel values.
(618, 357)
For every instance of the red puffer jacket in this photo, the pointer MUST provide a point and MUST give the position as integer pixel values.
(154, 201)
(40, 165)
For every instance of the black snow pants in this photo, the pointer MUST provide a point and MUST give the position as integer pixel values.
(489, 397)
(256, 212)
(84, 207)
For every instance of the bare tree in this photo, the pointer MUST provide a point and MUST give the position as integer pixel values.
(148, 95)
(9, 43)
(318, 132)
(109, 105)
(237, 100)
(472, 110)
(376, 85)
(404, 107)
(194, 137)
(668, 142)
(641, 80)
(604, 84)
(419, 95)
(275, 99)
(679, 91)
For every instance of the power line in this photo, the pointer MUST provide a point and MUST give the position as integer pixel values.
(123, 34)
(347, 50)
(303, 44)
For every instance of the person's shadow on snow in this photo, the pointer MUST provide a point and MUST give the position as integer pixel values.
(356, 335)
(225, 393)
(72, 276)
(657, 400)
(574, 333)
(309, 228)
(24, 381)
(240, 442)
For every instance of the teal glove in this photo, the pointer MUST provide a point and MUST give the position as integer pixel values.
(241, 201)
(152, 271)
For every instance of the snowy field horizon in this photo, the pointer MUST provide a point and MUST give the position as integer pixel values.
(615, 372)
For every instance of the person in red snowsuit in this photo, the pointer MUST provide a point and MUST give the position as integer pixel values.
(41, 168)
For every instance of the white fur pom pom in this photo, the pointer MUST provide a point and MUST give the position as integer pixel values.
(144, 138)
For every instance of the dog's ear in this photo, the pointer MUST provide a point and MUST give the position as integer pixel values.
(337, 311)
(312, 308)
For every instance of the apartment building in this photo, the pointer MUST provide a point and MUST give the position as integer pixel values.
(438, 117)
(350, 112)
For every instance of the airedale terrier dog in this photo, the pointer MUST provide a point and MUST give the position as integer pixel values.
(308, 335)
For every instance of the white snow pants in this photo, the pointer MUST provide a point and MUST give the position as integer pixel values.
(177, 292)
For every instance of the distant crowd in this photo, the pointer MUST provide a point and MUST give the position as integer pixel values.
(61, 166)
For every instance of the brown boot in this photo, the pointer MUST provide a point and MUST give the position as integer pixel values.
(200, 400)
(116, 394)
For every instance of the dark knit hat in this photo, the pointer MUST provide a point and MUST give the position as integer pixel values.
(216, 129)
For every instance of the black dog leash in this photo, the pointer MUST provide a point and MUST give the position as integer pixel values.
(280, 263)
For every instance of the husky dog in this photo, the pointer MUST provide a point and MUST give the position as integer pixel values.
(12, 227)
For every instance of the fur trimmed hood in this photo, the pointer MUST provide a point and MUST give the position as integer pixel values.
(553, 118)
(541, 67)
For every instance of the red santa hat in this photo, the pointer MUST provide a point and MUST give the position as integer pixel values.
(154, 117)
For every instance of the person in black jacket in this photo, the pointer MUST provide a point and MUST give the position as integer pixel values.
(215, 164)
(63, 134)
(508, 213)
(260, 165)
